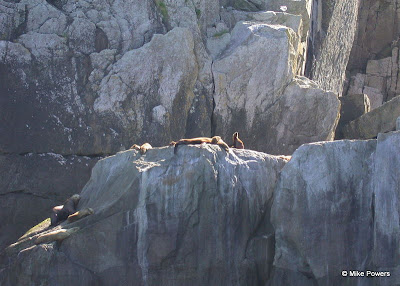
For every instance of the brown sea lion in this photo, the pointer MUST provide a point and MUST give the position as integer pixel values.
(237, 143)
(61, 213)
(80, 214)
(143, 149)
(57, 235)
(199, 140)
(286, 158)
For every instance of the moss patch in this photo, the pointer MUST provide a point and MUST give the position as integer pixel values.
(37, 228)
(162, 8)
(219, 34)
(198, 13)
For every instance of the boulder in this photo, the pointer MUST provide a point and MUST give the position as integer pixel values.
(266, 101)
(163, 219)
(31, 184)
(336, 208)
(379, 120)
(304, 113)
(165, 81)
(259, 85)
(351, 107)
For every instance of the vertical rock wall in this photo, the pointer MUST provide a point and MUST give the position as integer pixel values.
(332, 50)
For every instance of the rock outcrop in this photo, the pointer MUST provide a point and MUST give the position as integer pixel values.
(374, 60)
(264, 99)
(336, 209)
(31, 184)
(381, 119)
(205, 216)
(201, 216)
(351, 107)
(83, 78)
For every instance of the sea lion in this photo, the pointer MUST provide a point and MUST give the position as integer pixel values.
(80, 214)
(199, 140)
(57, 235)
(237, 143)
(61, 213)
(143, 149)
(286, 158)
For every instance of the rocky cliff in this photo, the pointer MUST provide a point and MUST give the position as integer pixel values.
(81, 80)
(85, 79)
(207, 216)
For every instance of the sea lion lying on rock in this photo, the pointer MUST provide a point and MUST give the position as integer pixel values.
(80, 214)
(61, 213)
(199, 140)
(57, 235)
(143, 149)
(237, 143)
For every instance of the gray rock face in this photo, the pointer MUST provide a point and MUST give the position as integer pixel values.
(336, 208)
(304, 113)
(165, 82)
(381, 119)
(328, 68)
(261, 86)
(277, 121)
(380, 80)
(27, 194)
(375, 52)
(375, 32)
(201, 216)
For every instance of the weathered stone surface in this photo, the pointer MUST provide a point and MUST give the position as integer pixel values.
(50, 263)
(336, 207)
(328, 68)
(300, 7)
(351, 107)
(374, 95)
(256, 101)
(379, 120)
(31, 184)
(261, 85)
(386, 182)
(245, 5)
(376, 46)
(165, 219)
(12, 19)
(356, 85)
(166, 79)
(273, 121)
(379, 82)
(398, 124)
(378, 27)
(303, 114)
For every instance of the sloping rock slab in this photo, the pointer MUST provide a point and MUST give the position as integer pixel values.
(381, 119)
(31, 184)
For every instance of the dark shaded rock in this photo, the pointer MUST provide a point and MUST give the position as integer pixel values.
(352, 107)
(31, 184)
(381, 119)
(101, 41)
